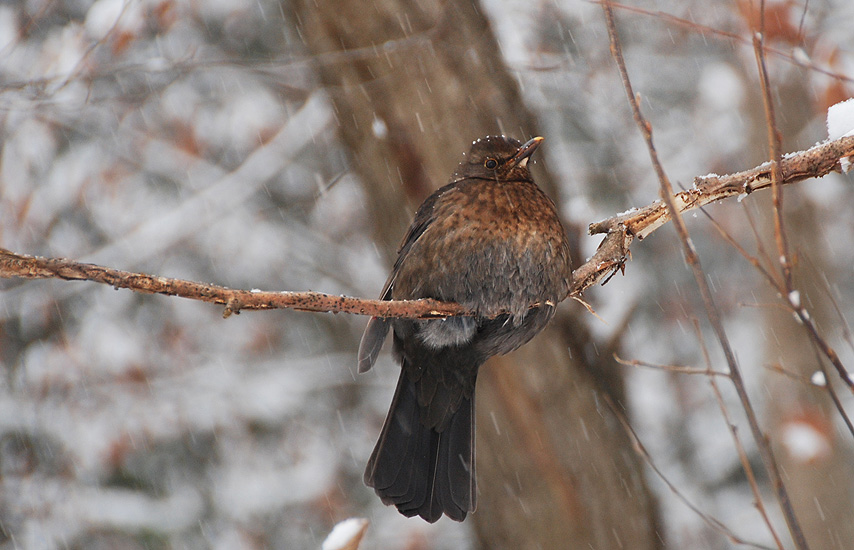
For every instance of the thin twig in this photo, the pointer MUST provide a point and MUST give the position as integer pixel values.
(679, 369)
(832, 392)
(733, 430)
(622, 229)
(711, 521)
(788, 55)
(712, 312)
(815, 162)
(791, 305)
(821, 347)
(774, 150)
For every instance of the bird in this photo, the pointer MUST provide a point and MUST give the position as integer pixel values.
(492, 241)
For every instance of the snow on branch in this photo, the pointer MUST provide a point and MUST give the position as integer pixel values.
(816, 162)
(610, 257)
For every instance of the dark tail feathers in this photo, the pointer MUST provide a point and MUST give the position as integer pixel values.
(421, 471)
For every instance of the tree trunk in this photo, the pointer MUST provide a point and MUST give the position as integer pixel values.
(412, 84)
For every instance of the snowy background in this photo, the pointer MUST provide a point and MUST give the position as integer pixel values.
(192, 140)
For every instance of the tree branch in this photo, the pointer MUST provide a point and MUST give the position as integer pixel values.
(674, 210)
(611, 256)
(816, 162)
(35, 267)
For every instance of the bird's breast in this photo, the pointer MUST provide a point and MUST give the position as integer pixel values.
(490, 246)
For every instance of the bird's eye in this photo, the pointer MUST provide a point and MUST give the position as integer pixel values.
(491, 164)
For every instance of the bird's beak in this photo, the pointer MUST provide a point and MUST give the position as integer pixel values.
(525, 151)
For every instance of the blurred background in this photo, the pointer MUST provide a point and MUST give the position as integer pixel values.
(285, 146)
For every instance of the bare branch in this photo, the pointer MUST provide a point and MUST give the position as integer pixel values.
(679, 369)
(793, 306)
(639, 448)
(712, 312)
(816, 162)
(610, 257)
(34, 267)
(735, 37)
(739, 447)
(774, 150)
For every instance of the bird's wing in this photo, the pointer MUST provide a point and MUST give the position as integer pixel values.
(377, 329)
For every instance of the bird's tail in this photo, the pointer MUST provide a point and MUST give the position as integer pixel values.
(422, 471)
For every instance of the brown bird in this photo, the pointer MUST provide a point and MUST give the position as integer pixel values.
(491, 241)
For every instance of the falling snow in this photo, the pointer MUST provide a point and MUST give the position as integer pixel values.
(192, 140)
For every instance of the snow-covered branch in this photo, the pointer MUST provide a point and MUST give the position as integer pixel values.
(816, 162)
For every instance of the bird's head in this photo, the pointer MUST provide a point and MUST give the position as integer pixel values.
(498, 157)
